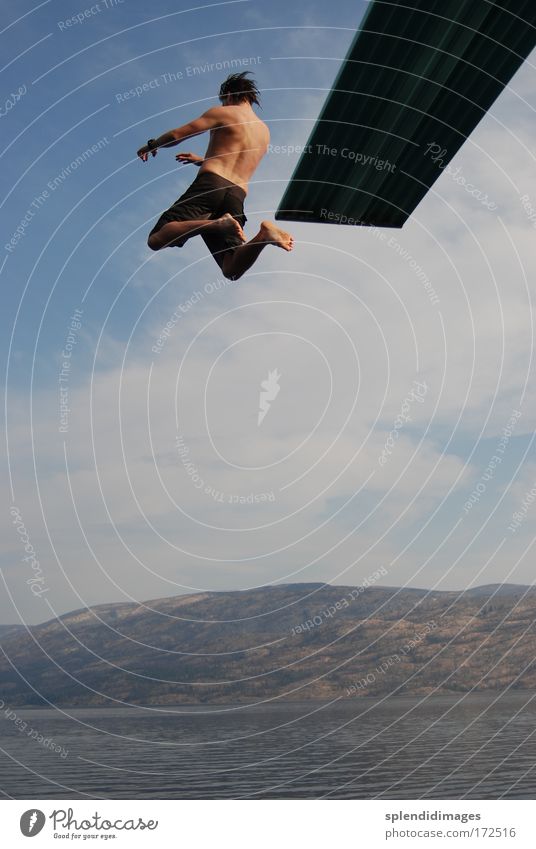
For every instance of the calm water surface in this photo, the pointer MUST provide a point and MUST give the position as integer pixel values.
(481, 747)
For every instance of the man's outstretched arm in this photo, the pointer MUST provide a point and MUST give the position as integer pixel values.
(208, 121)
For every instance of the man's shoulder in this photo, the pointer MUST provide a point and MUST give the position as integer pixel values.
(225, 115)
(233, 115)
(215, 112)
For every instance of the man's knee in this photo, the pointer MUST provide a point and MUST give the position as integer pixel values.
(231, 275)
(154, 243)
(227, 269)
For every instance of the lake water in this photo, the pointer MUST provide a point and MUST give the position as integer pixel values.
(441, 747)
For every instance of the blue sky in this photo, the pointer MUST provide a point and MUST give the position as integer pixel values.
(109, 503)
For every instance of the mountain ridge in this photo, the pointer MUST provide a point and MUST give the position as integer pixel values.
(306, 641)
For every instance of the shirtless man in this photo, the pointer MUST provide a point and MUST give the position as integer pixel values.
(213, 206)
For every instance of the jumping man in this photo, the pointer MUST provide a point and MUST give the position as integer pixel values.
(213, 206)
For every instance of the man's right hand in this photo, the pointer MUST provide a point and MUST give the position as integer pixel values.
(189, 158)
(144, 152)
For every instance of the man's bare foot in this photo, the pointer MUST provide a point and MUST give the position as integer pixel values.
(270, 233)
(229, 225)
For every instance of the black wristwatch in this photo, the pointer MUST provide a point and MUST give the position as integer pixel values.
(152, 144)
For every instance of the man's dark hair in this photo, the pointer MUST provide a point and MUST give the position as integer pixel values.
(237, 87)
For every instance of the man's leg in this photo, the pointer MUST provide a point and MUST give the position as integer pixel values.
(243, 257)
(175, 233)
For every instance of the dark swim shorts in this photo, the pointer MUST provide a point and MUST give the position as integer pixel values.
(209, 196)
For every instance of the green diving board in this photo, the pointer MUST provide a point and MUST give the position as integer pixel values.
(417, 79)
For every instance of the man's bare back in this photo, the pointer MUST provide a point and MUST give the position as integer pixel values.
(238, 142)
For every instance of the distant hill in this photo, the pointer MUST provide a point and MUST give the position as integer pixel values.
(500, 589)
(295, 641)
(10, 629)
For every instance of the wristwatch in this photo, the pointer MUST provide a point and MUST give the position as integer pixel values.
(152, 144)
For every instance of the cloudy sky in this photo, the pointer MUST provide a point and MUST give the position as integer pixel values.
(134, 463)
